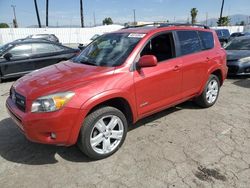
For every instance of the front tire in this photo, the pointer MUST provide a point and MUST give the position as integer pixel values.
(210, 94)
(102, 133)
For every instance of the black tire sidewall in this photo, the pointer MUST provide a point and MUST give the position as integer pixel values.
(86, 130)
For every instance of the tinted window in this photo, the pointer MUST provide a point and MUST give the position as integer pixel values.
(226, 33)
(21, 50)
(241, 43)
(189, 42)
(40, 48)
(161, 47)
(207, 39)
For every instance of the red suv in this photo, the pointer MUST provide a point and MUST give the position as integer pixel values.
(119, 78)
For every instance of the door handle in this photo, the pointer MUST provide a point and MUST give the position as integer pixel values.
(176, 68)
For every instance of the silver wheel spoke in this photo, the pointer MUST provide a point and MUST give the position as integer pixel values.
(116, 135)
(113, 122)
(106, 145)
(96, 140)
(101, 126)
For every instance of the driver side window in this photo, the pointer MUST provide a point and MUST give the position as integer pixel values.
(22, 50)
(161, 46)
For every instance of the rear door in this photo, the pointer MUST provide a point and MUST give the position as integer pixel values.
(195, 61)
(20, 62)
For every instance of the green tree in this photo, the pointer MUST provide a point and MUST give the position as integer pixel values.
(194, 13)
(107, 21)
(223, 21)
(242, 23)
(4, 25)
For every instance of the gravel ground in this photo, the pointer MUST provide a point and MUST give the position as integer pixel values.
(185, 146)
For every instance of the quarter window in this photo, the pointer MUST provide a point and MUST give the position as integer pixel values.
(189, 42)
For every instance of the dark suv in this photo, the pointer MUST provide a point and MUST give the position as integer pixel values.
(119, 78)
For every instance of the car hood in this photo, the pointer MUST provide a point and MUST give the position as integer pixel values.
(64, 76)
(233, 55)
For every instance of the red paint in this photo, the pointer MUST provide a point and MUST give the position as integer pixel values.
(147, 90)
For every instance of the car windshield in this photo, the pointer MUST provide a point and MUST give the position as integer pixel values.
(239, 44)
(109, 50)
(4, 48)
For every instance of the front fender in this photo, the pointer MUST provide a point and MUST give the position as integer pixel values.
(108, 95)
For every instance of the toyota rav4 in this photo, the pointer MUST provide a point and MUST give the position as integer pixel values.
(119, 78)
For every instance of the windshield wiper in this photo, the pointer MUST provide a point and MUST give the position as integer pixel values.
(88, 63)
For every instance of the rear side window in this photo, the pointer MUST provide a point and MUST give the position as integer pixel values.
(189, 42)
(207, 39)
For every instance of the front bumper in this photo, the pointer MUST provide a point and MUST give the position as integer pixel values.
(238, 68)
(38, 127)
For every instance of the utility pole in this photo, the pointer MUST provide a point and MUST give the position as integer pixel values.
(37, 14)
(81, 13)
(134, 17)
(221, 10)
(206, 18)
(14, 20)
(94, 19)
(47, 13)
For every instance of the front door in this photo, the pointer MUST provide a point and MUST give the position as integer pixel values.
(159, 86)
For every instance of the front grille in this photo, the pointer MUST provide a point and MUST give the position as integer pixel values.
(18, 99)
(233, 69)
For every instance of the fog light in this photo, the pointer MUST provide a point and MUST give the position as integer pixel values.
(53, 135)
(247, 70)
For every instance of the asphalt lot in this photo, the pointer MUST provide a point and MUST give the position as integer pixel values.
(185, 146)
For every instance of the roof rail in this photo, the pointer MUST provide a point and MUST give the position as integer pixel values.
(183, 24)
(143, 25)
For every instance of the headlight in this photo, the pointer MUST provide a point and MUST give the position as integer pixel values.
(52, 102)
(245, 60)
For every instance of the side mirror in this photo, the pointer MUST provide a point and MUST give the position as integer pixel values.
(81, 46)
(7, 56)
(147, 61)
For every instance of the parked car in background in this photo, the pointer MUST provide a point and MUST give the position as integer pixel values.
(82, 46)
(21, 57)
(119, 78)
(237, 34)
(49, 37)
(223, 35)
(238, 56)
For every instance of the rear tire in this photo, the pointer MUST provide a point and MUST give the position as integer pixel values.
(210, 93)
(102, 133)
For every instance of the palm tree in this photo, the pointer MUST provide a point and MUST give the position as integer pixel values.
(194, 13)
(47, 13)
(37, 14)
(81, 13)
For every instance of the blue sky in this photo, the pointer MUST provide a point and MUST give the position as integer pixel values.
(66, 12)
